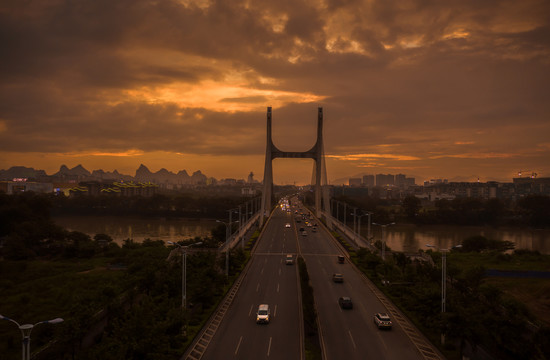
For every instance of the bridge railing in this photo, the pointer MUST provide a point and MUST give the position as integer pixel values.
(357, 239)
(238, 236)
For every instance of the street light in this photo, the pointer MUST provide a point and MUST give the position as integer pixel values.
(359, 216)
(26, 333)
(227, 235)
(384, 226)
(183, 270)
(443, 278)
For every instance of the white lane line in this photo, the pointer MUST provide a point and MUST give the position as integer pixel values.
(279, 271)
(250, 311)
(238, 345)
(258, 287)
(277, 287)
(261, 272)
(269, 347)
(351, 337)
(275, 312)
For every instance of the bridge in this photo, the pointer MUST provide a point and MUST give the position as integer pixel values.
(232, 332)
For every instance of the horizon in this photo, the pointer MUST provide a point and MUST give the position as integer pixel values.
(430, 90)
(330, 182)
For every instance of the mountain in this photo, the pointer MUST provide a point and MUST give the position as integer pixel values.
(21, 172)
(79, 173)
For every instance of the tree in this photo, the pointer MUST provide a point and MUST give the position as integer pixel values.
(411, 205)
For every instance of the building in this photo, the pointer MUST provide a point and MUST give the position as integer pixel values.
(22, 185)
(355, 182)
(385, 179)
(368, 180)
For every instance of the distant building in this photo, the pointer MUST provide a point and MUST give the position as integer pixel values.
(356, 182)
(368, 180)
(384, 179)
(22, 185)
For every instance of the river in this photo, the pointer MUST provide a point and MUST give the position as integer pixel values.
(121, 228)
(408, 238)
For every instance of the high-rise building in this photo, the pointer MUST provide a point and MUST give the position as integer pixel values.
(368, 180)
(355, 182)
(400, 180)
(384, 179)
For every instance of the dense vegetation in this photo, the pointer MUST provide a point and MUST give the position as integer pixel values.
(118, 302)
(174, 205)
(531, 211)
(478, 314)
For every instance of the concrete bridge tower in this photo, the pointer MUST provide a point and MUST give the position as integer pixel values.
(316, 153)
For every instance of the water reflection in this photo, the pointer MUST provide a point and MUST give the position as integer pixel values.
(410, 238)
(138, 229)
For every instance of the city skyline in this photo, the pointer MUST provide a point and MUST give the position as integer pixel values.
(454, 90)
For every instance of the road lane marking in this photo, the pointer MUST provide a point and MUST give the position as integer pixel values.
(275, 312)
(250, 311)
(261, 272)
(277, 287)
(352, 341)
(279, 271)
(269, 347)
(258, 287)
(238, 345)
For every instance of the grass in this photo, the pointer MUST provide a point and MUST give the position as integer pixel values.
(533, 293)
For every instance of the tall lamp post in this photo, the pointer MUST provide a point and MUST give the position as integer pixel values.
(359, 216)
(183, 270)
(227, 236)
(443, 278)
(26, 333)
(384, 226)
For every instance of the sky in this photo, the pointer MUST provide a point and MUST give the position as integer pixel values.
(456, 89)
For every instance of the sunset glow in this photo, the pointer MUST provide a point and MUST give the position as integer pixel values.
(432, 90)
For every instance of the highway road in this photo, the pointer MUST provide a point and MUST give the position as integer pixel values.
(348, 334)
(345, 334)
(268, 281)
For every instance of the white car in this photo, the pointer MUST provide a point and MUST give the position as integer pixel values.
(262, 316)
(287, 225)
(289, 259)
(382, 321)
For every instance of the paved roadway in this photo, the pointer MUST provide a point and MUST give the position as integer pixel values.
(346, 334)
(268, 281)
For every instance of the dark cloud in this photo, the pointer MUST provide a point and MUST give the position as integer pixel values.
(413, 77)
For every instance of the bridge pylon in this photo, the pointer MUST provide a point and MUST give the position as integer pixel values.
(316, 153)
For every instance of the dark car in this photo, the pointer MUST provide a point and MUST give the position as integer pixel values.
(345, 302)
(341, 259)
(382, 321)
(337, 278)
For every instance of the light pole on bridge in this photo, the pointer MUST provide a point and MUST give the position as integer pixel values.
(384, 226)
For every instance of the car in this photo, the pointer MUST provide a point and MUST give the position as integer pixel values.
(262, 316)
(337, 278)
(345, 302)
(314, 229)
(287, 225)
(382, 321)
(304, 233)
(341, 259)
(289, 259)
